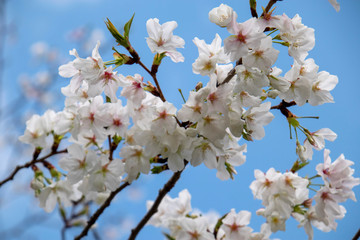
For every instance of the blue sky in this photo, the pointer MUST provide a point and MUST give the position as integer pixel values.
(336, 51)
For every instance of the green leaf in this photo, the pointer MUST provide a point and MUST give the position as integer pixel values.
(116, 139)
(230, 169)
(128, 26)
(119, 38)
(159, 169)
(298, 209)
(298, 165)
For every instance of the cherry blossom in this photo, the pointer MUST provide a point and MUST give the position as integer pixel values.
(222, 15)
(162, 40)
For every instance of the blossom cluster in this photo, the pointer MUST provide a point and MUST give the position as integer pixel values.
(105, 110)
(283, 195)
(184, 223)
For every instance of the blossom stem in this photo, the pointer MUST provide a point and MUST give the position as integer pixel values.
(272, 32)
(154, 208)
(29, 164)
(316, 176)
(296, 134)
(314, 117)
(98, 213)
(179, 89)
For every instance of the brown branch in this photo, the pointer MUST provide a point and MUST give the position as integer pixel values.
(154, 208)
(253, 8)
(153, 75)
(231, 74)
(284, 104)
(112, 148)
(357, 235)
(98, 213)
(283, 108)
(29, 164)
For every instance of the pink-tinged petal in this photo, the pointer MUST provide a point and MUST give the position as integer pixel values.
(168, 28)
(153, 28)
(68, 70)
(175, 56)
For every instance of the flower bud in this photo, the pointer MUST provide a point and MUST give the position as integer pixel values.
(300, 150)
(37, 184)
(221, 15)
(307, 203)
(273, 94)
(198, 86)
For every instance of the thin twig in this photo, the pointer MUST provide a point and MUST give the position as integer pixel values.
(153, 75)
(253, 8)
(98, 213)
(144, 67)
(3, 29)
(29, 164)
(154, 208)
(231, 74)
(357, 235)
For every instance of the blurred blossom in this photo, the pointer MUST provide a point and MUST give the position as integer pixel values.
(36, 88)
(27, 87)
(125, 226)
(39, 49)
(77, 34)
(135, 194)
(43, 53)
(111, 232)
(87, 37)
(47, 98)
(95, 35)
(43, 78)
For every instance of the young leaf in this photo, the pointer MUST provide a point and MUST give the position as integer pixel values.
(128, 26)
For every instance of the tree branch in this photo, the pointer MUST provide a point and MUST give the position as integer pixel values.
(283, 108)
(231, 74)
(29, 164)
(357, 235)
(153, 75)
(253, 8)
(154, 208)
(98, 213)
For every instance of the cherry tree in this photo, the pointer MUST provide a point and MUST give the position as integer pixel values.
(114, 129)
